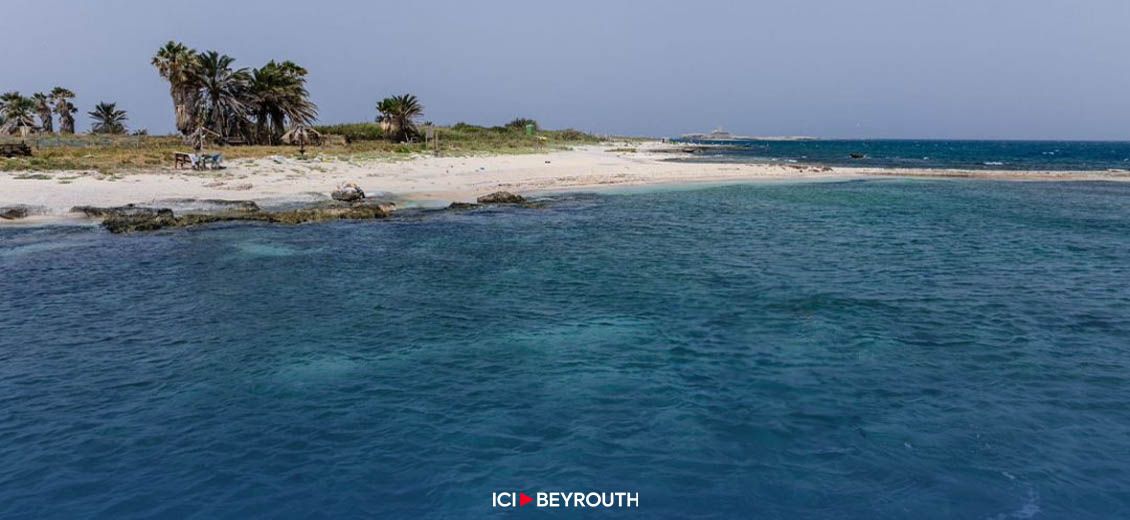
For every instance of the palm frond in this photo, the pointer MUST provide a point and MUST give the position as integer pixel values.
(108, 119)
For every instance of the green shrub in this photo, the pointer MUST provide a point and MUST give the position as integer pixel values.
(353, 131)
(520, 123)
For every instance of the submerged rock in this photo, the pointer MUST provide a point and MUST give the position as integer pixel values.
(501, 197)
(462, 205)
(348, 192)
(15, 212)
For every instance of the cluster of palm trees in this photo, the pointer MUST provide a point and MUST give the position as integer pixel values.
(18, 113)
(212, 97)
(213, 100)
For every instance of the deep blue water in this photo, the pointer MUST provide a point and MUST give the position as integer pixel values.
(872, 349)
(975, 155)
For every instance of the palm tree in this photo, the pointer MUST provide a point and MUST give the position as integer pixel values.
(397, 116)
(17, 112)
(179, 65)
(43, 109)
(224, 93)
(61, 98)
(108, 119)
(278, 95)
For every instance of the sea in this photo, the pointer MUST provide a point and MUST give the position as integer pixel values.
(915, 154)
(891, 348)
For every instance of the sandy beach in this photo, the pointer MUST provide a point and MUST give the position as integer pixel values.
(432, 181)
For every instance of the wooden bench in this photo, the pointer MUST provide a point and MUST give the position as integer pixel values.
(181, 159)
(15, 150)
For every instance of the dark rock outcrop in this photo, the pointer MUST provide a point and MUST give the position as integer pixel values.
(462, 205)
(501, 197)
(132, 219)
(14, 212)
(132, 222)
(221, 204)
(129, 210)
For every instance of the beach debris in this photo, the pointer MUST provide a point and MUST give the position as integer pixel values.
(348, 192)
(501, 197)
(15, 212)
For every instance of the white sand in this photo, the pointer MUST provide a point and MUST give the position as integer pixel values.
(430, 180)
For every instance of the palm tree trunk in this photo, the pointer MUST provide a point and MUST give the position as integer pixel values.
(45, 121)
(184, 104)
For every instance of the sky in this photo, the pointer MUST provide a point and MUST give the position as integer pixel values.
(951, 69)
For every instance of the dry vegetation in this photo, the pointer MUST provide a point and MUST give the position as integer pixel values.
(119, 154)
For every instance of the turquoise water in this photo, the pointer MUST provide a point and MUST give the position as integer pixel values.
(909, 153)
(872, 349)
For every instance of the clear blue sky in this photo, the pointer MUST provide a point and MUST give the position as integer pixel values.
(834, 68)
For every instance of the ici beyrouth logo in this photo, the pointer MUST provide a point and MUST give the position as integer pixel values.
(575, 499)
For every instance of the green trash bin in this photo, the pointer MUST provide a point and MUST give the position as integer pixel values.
(529, 129)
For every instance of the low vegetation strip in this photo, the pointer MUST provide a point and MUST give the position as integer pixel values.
(127, 154)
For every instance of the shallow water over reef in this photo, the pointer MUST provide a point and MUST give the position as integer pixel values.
(868, 349)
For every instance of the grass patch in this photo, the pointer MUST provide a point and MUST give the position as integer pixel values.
(346, 142)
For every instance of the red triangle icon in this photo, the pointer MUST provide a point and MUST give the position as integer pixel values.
(524, 499)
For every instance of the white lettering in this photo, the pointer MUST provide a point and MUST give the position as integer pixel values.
(572, 499)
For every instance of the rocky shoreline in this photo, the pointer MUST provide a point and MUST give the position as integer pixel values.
(352, 204)
(132, 218)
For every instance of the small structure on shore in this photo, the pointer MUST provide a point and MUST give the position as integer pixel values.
(302, 135)
(15, 150)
